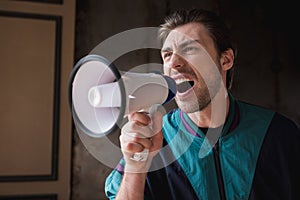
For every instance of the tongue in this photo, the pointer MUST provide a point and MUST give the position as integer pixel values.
(184, 86)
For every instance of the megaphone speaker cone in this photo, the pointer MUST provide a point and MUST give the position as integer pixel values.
(90, 72)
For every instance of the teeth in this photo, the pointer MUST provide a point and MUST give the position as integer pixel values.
(181, 80)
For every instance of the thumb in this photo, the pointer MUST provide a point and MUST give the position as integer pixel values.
(156, 122)
(157, 138)
(156, 114)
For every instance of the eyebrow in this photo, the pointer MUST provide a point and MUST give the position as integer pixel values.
(182, 45)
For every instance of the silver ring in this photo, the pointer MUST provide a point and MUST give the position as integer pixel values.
(140, 156)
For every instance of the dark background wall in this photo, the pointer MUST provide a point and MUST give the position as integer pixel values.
(267, 67)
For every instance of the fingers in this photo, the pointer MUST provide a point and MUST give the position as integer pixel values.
(135, 137)
(140, 117)
(141, 132)
(132, 142)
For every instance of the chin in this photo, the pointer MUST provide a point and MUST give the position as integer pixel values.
(192, 105)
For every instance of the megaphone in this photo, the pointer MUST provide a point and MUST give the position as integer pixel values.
(100, 97)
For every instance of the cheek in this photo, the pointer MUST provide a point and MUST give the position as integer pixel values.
(200, 83)
(166, 70)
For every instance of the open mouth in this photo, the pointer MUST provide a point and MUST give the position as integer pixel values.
(184, 85)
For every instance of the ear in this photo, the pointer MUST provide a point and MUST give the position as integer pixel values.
(227, 59)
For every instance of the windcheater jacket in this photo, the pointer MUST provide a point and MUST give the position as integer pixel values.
(255, 155)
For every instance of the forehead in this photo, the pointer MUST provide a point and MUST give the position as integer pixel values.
(191, 31)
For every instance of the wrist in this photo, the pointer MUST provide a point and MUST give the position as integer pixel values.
(137, 167)
(132, 186)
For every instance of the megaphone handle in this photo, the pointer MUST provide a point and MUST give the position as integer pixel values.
(140, 156)
(143, 155)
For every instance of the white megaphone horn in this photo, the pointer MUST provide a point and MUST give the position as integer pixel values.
(100, 97)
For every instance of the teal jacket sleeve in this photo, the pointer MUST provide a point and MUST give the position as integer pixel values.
(112, 184)
(113, 181)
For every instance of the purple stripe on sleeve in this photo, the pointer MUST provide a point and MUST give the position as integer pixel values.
(120, 169)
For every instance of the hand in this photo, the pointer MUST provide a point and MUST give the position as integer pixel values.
(139, 133)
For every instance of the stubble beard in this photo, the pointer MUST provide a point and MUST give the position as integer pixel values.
(199, 99)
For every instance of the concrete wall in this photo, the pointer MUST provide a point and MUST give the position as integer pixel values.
(267, 67)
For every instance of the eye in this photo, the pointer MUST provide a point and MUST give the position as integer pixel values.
(189, 49)
(167, 54)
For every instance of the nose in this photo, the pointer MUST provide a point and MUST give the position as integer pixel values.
(175, 61)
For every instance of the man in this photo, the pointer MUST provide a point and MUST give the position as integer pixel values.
(213, 146)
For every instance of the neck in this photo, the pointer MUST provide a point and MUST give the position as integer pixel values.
(215, 114)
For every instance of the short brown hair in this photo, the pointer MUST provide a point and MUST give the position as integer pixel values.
(216, 27)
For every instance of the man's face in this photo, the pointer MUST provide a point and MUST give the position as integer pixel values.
(191, 59)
